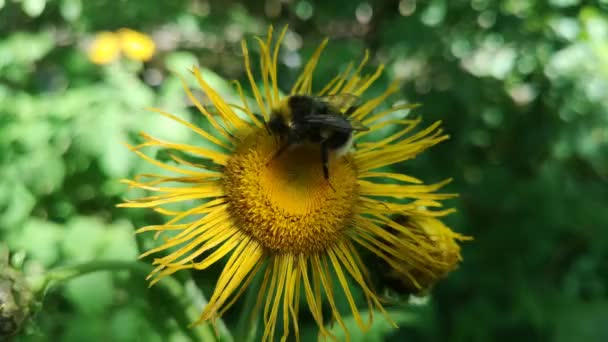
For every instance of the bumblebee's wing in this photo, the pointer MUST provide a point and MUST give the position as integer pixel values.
(357, 125)
(340, 101)
(336, 122)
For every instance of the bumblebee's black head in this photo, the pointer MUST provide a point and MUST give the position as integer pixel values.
(293, 108)
(277, 124)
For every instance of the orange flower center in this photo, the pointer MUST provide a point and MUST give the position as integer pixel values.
(285, 203)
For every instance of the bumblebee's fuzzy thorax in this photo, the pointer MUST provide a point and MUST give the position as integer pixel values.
(319, 120)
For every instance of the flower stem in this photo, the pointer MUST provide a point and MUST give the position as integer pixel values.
(181, 308)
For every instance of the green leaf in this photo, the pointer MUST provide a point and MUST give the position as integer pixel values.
(83, 238)
(39, 239)
(379, 329)
(92, 294)
(70, 9)
(128, 324)
(180, 62)
(119, 243)
(81, 327)
(16, 203)
(582, 322)
(33, 8)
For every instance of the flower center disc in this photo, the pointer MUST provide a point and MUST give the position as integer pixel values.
(285, 203)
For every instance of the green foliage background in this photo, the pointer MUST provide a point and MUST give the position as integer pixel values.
(521, 87)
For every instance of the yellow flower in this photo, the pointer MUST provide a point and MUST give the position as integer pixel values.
(105, 48)
(280, 216)
(442, 246)
(135, 45)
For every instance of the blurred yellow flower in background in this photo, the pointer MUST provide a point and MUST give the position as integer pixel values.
(279, 216)
(135, 45)
(107, 47)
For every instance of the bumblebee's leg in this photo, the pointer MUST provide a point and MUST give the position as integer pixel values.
(325, 159)
(281, 150)
(286, 144)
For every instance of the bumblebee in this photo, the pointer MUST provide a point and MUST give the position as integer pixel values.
(320, 120)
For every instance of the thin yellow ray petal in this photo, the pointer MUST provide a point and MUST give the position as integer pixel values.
(215, 215)
(262, 294)
(254, 87)
(371, 160)
(381, 114)
(336, 83)
(210, 117)
(345, 288)
(161, 227)
(271, 324)
(416, 207)
(348, 88)
(182, 194)
(287, 295)
(275, 63)
(410, 123)
(246, 107)
(160, 179)
(412, 240)
(361, 88)
(354, 265)
(207, 184)
(372, 248)
(219, 253)
(403, 256)
(245, 243)
(389, 175)
(404, 190)
(210, 168)
(397, 152)
(199, 245)
(370, 105)
(168, 269)
(324, 275)
(194, 128)
(222, 107)
(182, 250)
(215, 205)
(314, 302)
(368, 146)
(294, 305)
(346, 257)
(165, 166)
(210, 310)
(431, 132)
(242, 289)
(237, 268)
(271, 289)
(185, 227)
(350, 84)
(304, 81)
(171, 199)
(317, 287)
(264, 66)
